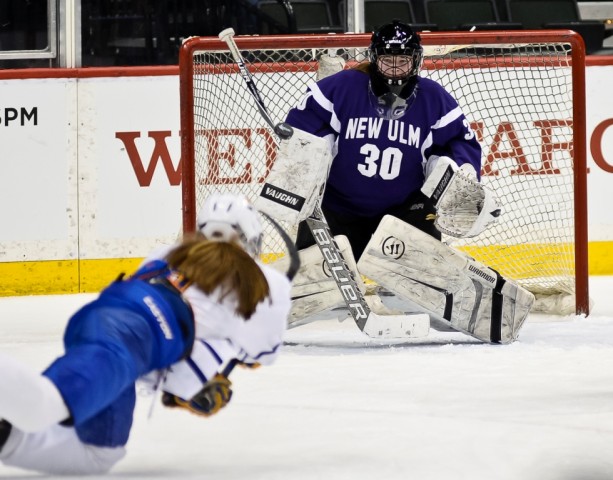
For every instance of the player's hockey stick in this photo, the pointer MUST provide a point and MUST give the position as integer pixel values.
(283, 130)
(292, 270)
(373, 325)
(294, 257)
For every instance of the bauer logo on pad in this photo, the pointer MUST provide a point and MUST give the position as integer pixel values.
(283, 197)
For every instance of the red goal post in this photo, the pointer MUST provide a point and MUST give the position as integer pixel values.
(522, 91)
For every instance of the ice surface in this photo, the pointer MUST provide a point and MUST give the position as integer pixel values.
(340, 406)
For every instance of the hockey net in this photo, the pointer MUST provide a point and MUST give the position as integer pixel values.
(523, 93)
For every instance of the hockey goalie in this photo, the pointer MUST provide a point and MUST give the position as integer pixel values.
(443, 286)
(387, 159)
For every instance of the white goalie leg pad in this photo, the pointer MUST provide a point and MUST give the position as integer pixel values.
(297, 178)
(448, 284)
(464, 206)
(313, 288)
(315, 291)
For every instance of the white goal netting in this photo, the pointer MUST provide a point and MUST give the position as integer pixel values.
(519, 91)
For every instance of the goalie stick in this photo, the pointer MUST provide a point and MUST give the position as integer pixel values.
(283, 130)
(373, 325)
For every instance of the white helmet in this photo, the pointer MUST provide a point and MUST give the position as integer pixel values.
(225, 217)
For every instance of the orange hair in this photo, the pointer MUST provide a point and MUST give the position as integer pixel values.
(210, 265)
(363, 67)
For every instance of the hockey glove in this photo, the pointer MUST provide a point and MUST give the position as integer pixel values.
(251, 366)
(215, 395)
(464, 207)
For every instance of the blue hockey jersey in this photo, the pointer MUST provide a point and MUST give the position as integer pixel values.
(378, 163)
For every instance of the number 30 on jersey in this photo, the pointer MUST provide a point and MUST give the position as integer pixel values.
(386, 163)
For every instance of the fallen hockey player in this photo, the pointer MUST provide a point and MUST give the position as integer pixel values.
(177, 323)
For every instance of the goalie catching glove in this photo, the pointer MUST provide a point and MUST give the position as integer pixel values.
(215, 395)
(464, 207)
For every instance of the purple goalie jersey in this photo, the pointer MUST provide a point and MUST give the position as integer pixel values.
(378, 163)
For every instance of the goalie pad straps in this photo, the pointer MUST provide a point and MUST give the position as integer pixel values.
(313, 288)
(464, 207)
(449, 285)
(297, 178)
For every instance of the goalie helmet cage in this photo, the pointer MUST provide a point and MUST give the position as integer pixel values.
(523, 93)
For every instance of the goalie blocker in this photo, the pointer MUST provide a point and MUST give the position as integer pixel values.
(448, 284)
(296, 181)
